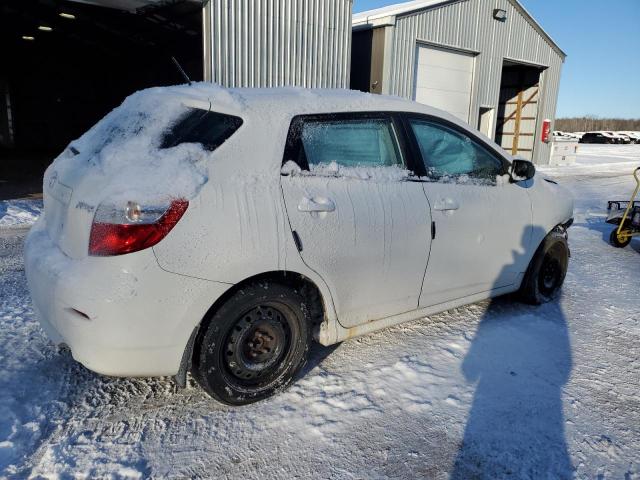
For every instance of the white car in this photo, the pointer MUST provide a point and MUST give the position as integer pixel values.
(620, 137)
(634, 137)
(222, 231)
(563, 136)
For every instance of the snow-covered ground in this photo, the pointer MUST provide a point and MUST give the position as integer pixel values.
(492, 390)
(19, 213)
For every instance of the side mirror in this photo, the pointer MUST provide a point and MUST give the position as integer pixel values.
(521, 170)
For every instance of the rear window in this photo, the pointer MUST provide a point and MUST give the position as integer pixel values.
(210, 129)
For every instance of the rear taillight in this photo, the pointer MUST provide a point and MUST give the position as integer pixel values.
(120, 230)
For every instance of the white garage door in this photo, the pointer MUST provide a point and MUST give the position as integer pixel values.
(444, 80)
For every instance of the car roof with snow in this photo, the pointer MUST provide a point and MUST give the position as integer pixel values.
(291, 101)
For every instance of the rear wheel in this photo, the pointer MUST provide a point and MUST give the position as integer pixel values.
(254, 345)
(547, 270)
(619, 240)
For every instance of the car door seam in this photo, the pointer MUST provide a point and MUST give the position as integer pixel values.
(426, 268)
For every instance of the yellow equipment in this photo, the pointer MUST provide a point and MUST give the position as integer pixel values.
(626, 215)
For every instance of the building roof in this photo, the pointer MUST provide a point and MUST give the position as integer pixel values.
(370, 16)
(395, 9)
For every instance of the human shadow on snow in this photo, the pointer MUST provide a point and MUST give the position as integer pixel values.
(520, 359)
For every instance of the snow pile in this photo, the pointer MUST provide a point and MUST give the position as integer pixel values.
(599, 160)
(122, 153)
(333, 169)
(19, 213)
(382, 174)
(601, 154)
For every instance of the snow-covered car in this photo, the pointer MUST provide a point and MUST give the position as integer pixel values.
(620, 138)
(634, 137)
(222, 231)
(627, 138)
(564, 137)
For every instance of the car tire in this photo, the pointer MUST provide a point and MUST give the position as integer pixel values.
(254, 345)
(616, 241)
(547, 270)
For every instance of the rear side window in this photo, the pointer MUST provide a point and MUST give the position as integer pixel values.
(210, 129)
(350, 143)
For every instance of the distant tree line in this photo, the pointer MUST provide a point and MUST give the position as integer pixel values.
(591, 123)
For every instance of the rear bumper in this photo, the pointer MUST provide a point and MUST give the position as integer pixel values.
(120, 316)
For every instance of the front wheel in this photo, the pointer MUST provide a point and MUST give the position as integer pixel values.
(547, 270)
(254, 345)
(619, 240)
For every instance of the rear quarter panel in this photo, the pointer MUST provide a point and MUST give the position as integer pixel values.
(235, 225)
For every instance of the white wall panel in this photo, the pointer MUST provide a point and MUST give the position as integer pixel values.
(444, 79)
(273, 43)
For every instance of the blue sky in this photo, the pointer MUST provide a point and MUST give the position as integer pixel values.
(601, 75)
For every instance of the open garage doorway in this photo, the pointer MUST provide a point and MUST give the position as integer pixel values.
(66, 64)
(518, 109)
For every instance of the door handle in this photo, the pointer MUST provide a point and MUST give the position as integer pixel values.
(316, 204)
(445, 204)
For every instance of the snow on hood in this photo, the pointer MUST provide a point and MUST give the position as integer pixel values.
(120, 157)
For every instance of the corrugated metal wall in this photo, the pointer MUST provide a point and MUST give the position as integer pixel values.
(469, 25)
(271, 43)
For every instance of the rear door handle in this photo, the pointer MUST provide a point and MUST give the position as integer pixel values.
(316, 204)
(445, 204)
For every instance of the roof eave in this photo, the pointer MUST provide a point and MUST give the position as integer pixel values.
(378, 20)
(523, 11)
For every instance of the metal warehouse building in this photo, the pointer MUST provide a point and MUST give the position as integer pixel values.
(486, 61)
(67, 63)
(270, 43)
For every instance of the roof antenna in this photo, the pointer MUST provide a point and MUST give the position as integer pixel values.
(182, 72)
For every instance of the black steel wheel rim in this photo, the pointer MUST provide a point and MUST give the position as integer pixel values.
(256, 345)
(550, 273)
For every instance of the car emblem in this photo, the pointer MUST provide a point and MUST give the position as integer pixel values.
(53, 179)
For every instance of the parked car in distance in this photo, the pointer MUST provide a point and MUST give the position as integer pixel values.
(564, 137)
(221, 232)
(625, 139)
(619, 138)
(634, 137)
(598, 137)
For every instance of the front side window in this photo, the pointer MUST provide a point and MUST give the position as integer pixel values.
(449, 154)
(350, 143)
(210, 129)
